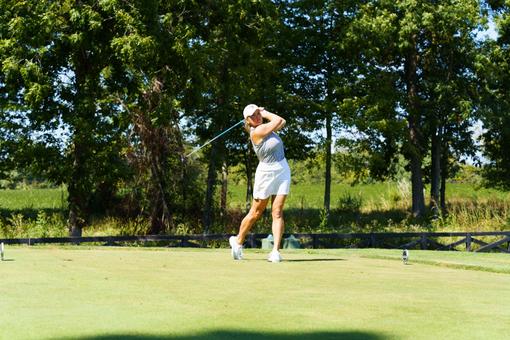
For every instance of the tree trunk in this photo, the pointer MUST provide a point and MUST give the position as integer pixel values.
(161, 217)
(443, 147)
(444, 211)
(249, 176)
(327, 177)
(435, 176)
(224, 188)
(415, 147)
(75, 198)
(326, 25)
(418, 203)
(444, 176)
(158, 143)
(78, 187)
(211, 185)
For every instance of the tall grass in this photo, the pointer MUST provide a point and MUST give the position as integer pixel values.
(33, 212)
(386, 206)
(378, 207)
(33, 199)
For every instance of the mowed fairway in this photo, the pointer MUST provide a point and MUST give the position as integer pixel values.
(143, 293)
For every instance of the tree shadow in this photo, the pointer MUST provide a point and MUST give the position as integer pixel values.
(231, 334)
(347, 220)
(28, 213)
(300, 260)
(313, 260)
(310, 220)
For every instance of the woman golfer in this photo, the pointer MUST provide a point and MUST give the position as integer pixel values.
(272, 178)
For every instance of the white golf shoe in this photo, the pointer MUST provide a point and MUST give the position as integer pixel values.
(274, 256)
(237, 249)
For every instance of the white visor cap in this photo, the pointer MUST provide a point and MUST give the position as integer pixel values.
(249, 110)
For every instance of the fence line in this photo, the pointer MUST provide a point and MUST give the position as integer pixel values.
(421, 240)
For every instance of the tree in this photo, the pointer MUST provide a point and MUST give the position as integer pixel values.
(96, 71)
(232, 69)
(151, 46)
(421, 55)
(321, 66)
(450, 88)
(494, 71)
(52, 57)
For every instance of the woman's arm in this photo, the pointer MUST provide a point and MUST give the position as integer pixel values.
(274, 123)
(267, 115)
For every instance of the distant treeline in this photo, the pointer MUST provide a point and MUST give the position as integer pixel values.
(107, 97)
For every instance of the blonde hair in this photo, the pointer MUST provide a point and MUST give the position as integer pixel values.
(247, 126)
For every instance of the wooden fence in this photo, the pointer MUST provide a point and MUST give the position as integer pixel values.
(469, 241)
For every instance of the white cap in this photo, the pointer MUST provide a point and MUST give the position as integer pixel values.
(249, 110)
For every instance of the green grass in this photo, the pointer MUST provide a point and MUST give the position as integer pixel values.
(312, 195)
(385, 207)
(377, 207)
(372, 195)
(109, 293)
(33, 199)
(301, 196)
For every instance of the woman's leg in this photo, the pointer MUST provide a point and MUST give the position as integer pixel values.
(257, 209)
(278, 223)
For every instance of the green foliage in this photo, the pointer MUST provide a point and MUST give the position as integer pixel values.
(416, 85)
(44, 225)
(350, 203)
(493, 69)
(469, 174)
(101, 95)
(373, 207)
(311, 170)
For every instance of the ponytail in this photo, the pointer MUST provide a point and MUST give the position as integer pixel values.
(247, 126)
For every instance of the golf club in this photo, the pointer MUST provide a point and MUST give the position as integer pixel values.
(212, 140)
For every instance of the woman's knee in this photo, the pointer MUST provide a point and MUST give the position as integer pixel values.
(257, 209)
(277, 214)
(256, 213)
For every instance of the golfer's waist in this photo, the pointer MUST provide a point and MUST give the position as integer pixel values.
(276, 165)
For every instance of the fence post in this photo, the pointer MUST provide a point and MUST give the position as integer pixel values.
(468, 242)
(373, 242)
(423, 241)
(314, 241)
(251, 240)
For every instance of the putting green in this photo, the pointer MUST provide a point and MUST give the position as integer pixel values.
(147, 293)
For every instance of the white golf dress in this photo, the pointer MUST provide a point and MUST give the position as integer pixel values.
(273, 173)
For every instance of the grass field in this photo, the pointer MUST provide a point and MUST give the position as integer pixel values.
(381, 207)
(161, 293)
(373, 196)
(302, 195)
(33, 199)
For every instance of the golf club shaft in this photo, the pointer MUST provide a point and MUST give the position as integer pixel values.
(212, 140)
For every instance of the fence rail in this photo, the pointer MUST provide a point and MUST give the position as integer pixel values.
(470, 241)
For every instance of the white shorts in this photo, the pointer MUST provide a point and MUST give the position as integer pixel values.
(271, 179)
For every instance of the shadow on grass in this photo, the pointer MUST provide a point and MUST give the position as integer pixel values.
(345, 220)
(355, 335)
(30, 213)
(298, 260)
(312, 260)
